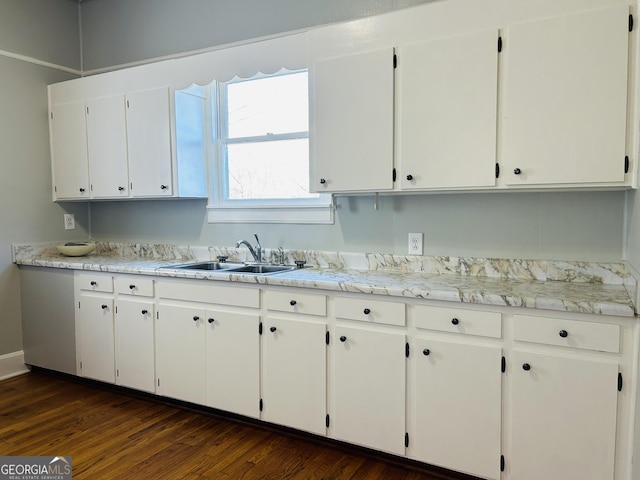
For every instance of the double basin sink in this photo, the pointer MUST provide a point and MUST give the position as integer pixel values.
(254, 269)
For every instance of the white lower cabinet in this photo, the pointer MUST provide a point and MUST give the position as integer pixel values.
(233, 362)
(294, 374)
(369, 388)
(135, 351)
(563, 417)
(457, 406)
(482, 391)
(96, 330)
(180, 353)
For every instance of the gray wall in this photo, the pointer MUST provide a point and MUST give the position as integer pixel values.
(44, 30)
(578, 226)
(116, 32)
(583, 226)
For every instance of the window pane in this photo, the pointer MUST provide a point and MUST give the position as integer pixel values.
(269, 170)
(262, 106)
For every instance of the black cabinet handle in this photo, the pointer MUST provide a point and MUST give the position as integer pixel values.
(292, 302)
(93, 283)
(343, 338)
(196, 318)
(517, 171)
(132, 286)
(211, 320)
(120, 189)
(81, 190)
(426, 352)
(526, 367)
(367, 311)
(455, 321)
(104, 307)
(409, 177)
(163, 187)
(322, 181)
(144, 312)
(564, 333)
(272, 329)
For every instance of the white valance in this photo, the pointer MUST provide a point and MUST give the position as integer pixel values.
(244, 61)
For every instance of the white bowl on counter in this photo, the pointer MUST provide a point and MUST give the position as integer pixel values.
(76, 249)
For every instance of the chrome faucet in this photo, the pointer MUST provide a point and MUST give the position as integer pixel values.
(255, 253)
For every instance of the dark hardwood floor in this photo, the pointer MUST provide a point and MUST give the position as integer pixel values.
(115, 435)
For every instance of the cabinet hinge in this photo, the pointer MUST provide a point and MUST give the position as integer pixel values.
(127, 103)
(326, 338)
(503, 365)
(626, 164)
(261, 405)
(406, 439)
(87, 110)
(78, 305)
(395, 61)
(51, 115)
(158, 382)
(116, 309)
(260, 331)
(619, 381)
(117, 373)
(80, 365)
(393, 175)
(406, 349)
(499, 44)
(502, 463)
(327, 421)
(55, 189)
(630, 23)
(497, 169)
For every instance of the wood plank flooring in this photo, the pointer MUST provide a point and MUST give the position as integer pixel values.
(113, 435)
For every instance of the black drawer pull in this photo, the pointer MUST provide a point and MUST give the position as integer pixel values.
(144, 312)
(343, 338)
(455, 321)
(292, 302)
(526, 367)
(367, 311)
(272, 329)
(426, 352)
(563, 333)
(211, 320)
(93, 283)
(196, 318)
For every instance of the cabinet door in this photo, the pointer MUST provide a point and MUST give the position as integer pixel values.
(97, 353)
(135, 359)
(566, 99)
(233, 362)
(294, 374)
(69, 151)
(149, 142)
(352, 123)
(107, 146)
(369, 388)
(563, 421)
(180, 353)
(447, 112)
(457, 391)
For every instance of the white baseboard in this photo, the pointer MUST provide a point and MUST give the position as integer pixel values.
(12, 364)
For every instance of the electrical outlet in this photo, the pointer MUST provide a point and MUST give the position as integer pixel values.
(69, 221)
(415, 244)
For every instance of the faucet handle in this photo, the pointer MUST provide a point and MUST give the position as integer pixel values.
(257, 239)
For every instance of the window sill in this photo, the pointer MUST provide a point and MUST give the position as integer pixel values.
(308, 214)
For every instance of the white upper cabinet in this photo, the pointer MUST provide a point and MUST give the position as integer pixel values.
(351, 127)
(107, 147)
(149, 142)
(69, 151)
(565, 99)
(447, 112)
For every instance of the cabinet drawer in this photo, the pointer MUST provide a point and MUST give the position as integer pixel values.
(205, 292)
(454, 320)
(95, 282)
(368, 310)
(134, 285)
(296, 302)
(567, 333)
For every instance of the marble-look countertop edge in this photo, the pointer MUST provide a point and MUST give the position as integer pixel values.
(547, 295)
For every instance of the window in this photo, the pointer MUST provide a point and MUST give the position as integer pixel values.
(260, 130)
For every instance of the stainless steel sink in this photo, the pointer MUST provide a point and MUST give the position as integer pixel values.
(206, 266)
(254, 269)
(264, 269)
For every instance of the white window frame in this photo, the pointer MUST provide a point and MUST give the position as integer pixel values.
(220, 209)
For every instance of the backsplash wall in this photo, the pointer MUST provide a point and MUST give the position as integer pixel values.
(570, 226)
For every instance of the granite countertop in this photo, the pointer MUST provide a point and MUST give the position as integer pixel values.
(598, 288)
